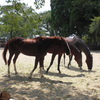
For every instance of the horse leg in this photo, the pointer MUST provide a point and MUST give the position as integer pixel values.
(9, 61)
(35, 66)
(14, 62)
(70, 59)
(79, 61)
(52, 59)
(41, 66)
(64, 59)
(59, 58)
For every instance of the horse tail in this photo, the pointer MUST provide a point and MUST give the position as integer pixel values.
(4, 53)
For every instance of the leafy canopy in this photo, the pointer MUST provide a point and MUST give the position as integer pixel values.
(17, 19)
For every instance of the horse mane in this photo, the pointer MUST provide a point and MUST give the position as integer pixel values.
(81, 41)
(44, 38)
(16, 38)
(74, 38)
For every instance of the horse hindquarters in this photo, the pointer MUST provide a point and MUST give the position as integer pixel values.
(4, 53)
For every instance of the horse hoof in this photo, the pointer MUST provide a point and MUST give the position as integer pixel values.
(9, 75)
(46, 72)
(81, 69)
(16, 73)
(43, 70)
(29, 77)
(68, 67)
(65, 66)
(89, 70)
(42, 76)
(59, 72)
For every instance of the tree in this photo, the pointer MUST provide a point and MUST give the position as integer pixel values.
(39, 3)
(46, 23)
(73, 16)
(17, 19)
(94, 30)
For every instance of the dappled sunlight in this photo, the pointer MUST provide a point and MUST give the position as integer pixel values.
(71, 84)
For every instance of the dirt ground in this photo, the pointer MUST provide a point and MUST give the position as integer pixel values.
(71, 84)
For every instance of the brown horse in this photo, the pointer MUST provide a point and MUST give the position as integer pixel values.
(82, 47)
(4, 95)
(56, 50)
(37, 47)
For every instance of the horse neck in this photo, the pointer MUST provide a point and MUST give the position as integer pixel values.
(74, 50)
(84, 48)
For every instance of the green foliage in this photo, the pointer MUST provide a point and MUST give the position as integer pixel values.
(46, 22)
(17, 19)
(95, 25)
(39, 3)
(94, 30)
(73, 16)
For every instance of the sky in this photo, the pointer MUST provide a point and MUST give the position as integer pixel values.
(46, 7)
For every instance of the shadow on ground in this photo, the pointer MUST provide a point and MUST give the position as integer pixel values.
(47, 89)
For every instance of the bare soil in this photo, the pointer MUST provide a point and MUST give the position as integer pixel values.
(71, 84)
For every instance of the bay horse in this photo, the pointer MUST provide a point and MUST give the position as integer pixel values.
(37, 47)
(56, 50)
(4, 95)
(82, 47)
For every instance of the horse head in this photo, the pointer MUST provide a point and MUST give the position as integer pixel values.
(89, 61)
(77, 54)
(78, 59)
